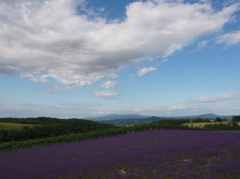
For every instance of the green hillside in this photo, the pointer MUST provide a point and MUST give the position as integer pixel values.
(35, 128)
(9, 126)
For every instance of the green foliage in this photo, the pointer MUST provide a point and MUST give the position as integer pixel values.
(218, 119)
(236, 118)
(38, 120)
(51, 127)
(229, 126)
(200, 120)
(9, 126)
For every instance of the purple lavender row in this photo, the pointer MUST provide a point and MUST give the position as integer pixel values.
(149, 154)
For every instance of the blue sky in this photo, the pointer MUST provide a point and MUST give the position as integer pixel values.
(83, 58)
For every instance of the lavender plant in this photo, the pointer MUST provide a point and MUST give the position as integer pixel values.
(148, 154)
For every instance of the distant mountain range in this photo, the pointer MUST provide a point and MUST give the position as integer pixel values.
(137, 117)
(209, 116)
(117, 116)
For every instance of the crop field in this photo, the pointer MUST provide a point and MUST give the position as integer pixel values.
(202, 124)
(149, 154)
(9, 126)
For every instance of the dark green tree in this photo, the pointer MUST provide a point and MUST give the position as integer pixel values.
(218, 119)
(236, 118)
(198, 120)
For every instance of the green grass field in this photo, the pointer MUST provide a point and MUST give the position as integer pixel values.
(9, 126)
(202, 124)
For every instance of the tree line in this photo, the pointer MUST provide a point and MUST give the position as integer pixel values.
(50, 127)
(37, 120)
(218, 119)
(229, 126)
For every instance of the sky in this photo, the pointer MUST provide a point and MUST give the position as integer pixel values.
(86, 58)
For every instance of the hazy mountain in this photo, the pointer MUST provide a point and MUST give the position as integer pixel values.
(133, 120)
(210, 116)
(117, 116)
(136, 118)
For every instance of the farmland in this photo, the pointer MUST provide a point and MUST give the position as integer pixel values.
(202, 124)
(148, 154)
(87, 149)
(51, 131)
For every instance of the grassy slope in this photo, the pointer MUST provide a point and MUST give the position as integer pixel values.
(9, 126)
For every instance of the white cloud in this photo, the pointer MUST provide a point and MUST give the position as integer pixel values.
(35, 78)
(105, 112)
(101, 9)
(112, 75)
(49, 40)
(230, 38)
(136, 110)
(165, 60)
(202, 44)
(216, 98)
(105, 94)
(175, 107)
(144, 71)
(109, 84)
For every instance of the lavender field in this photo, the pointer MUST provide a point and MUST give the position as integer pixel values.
(150, 154)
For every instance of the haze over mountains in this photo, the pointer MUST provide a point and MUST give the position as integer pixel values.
(135, 117)
(118, 116)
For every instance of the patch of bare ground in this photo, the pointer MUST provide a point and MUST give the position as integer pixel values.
(123, 172)
(187, 160)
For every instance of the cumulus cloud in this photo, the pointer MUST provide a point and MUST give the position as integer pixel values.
(144, 71)
(46, 40)
(105, 94)
(109, 84)
(216, 98)
(230, 38)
